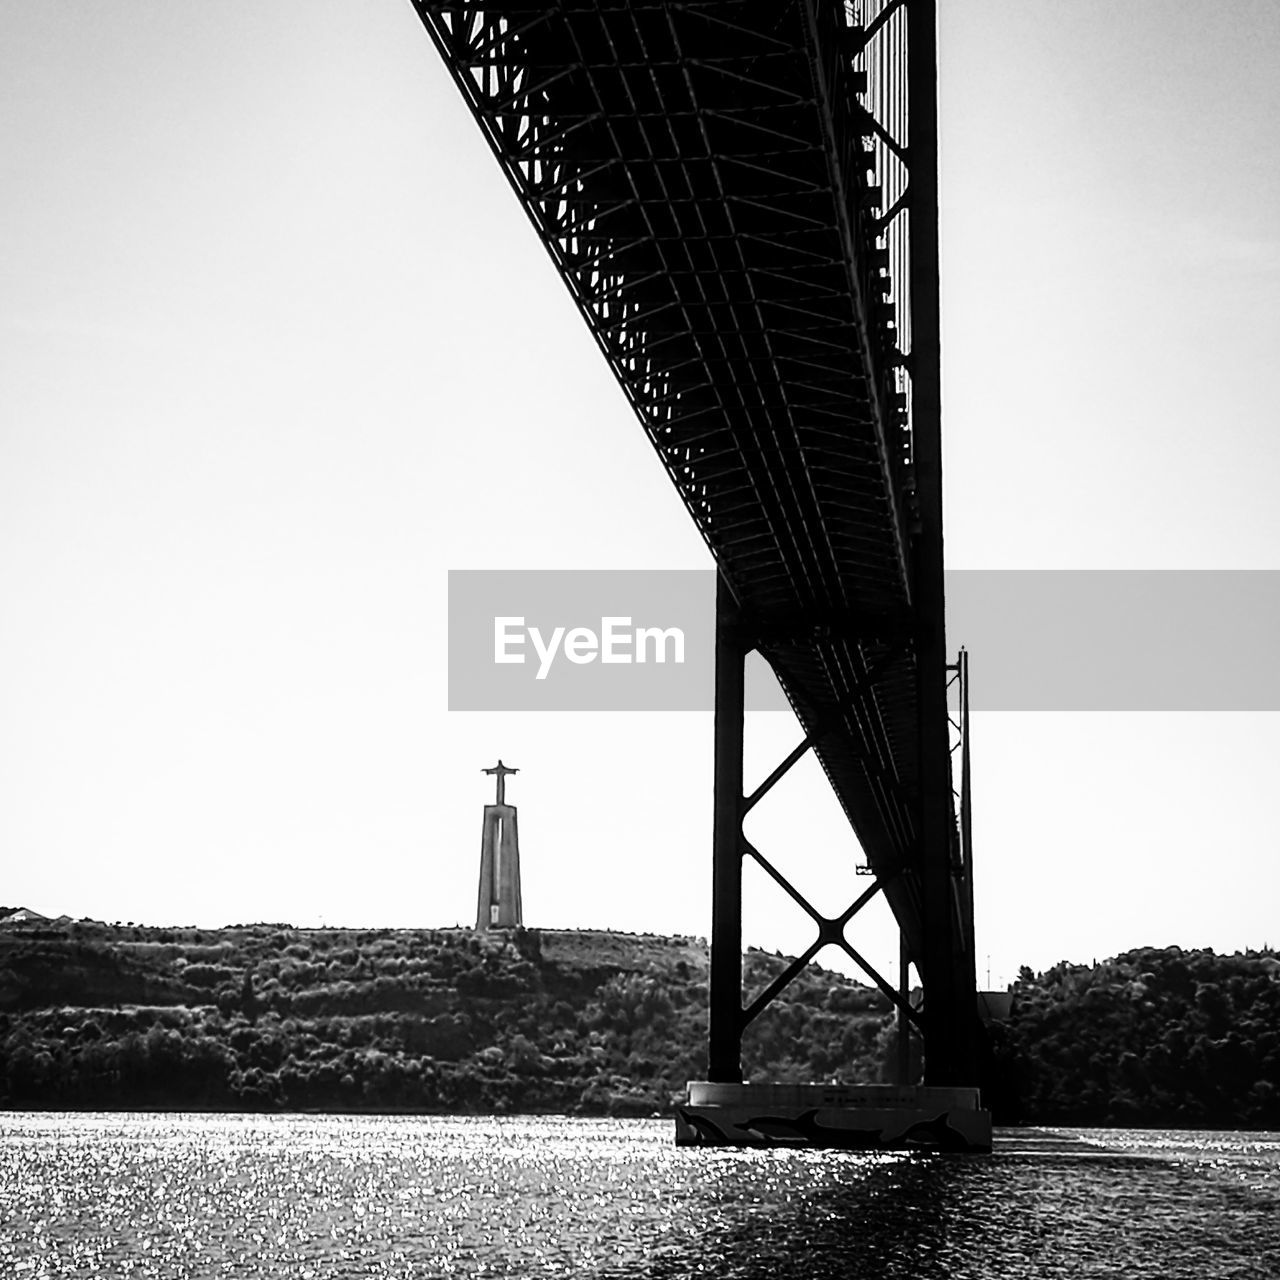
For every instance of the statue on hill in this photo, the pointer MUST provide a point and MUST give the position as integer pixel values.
(501, 770)
(499, 905)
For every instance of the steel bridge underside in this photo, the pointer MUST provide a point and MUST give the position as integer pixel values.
(702, 174)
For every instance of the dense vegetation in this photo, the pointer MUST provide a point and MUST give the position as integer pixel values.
(1153, 1037)
(267, 1016)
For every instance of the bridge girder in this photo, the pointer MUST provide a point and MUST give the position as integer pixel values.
(740, 196)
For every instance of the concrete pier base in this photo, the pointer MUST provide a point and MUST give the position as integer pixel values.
(851, 1117)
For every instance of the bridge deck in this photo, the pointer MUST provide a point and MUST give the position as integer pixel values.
(703, 175)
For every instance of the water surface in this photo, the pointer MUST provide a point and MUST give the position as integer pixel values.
(186, 1197)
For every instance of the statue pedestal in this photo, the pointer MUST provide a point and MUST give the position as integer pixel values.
(498, 905)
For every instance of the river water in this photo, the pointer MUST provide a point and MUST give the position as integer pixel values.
(187, 1197)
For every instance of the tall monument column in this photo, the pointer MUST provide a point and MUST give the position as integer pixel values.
(499, 905)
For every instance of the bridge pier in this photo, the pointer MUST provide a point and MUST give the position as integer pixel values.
(944, 1111)
(724, 1034)
(946, 961)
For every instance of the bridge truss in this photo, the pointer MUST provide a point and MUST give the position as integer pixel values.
(740, 195)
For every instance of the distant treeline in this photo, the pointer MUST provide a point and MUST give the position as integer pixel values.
(264, 1017)
(1151, 1038)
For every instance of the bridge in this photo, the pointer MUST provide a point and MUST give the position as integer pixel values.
(741, 197)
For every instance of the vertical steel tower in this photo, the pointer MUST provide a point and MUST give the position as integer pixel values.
(741, 197)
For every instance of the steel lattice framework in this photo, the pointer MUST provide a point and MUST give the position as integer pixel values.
(727, 188)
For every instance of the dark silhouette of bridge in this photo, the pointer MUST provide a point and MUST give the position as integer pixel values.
(741, 196)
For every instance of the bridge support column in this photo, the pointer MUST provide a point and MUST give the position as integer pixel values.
(724, 1040)
(946, 967)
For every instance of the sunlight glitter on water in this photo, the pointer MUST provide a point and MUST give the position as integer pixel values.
(1251, 1158)
(186, 1197)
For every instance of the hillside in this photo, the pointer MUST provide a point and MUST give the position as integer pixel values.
(266, 1016)
(1153, 1037)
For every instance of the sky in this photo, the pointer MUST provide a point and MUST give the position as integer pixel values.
(279, 349)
